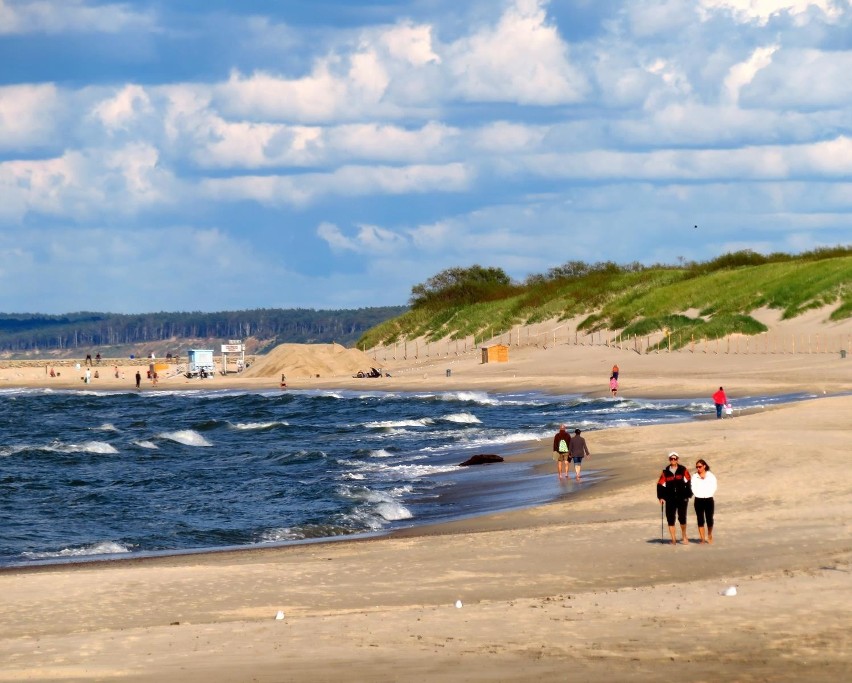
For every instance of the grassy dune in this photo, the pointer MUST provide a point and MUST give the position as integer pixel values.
(705, 300)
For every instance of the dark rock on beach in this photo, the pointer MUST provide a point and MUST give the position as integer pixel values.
(481, 459)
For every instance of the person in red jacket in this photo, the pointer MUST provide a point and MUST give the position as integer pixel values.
(674, 490)
(720, 400)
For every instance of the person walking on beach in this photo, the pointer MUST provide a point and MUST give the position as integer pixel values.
(561, 447)
(720, 400)
(673, 490)
(578, 450)
(613, 385)
(703, 488)
(615, 371)
(138, 380)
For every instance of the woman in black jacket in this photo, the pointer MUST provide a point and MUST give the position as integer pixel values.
(674, 490)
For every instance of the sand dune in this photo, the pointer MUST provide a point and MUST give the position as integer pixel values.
(309, 360)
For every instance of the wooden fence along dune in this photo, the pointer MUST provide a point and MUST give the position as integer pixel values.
(544, 336)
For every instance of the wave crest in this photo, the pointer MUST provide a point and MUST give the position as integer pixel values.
(188, 437)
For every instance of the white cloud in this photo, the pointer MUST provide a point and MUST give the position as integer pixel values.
(332, 235)
(84, 183)
(672, 76)
(802, 78)
(761, 11)
(831, 158)
(263, 145)
(412, 44)
(370, 239)
(522, 59)
(119, 111)
(258, 145)
(335, 89)
(433, 237)
(69, 16)
(505, 137)
(743, 73)
(623, 82)
(27, 115)
(388, 142)
(347, 181)
(656, 18)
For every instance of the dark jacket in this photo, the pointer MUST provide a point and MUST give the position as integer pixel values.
(561, 434)
(674, 486)
(577, 448)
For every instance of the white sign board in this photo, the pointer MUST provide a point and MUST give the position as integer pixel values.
(232, 348)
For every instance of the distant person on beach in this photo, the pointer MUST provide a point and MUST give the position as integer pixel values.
(673, 490)
(578, 450)
(704, 488)
(720, 400)
(615, 371)
(561, 448)
(88, 377)
(89, 359)
(98, 358)
(138, 380)
(613, 385)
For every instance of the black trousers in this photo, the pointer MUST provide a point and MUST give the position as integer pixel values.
(704, 508)
(676, 507)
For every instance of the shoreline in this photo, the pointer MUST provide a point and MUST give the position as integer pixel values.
(530, 452)
(575, 589)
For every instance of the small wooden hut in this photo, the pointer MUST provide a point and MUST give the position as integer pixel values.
(499, 353)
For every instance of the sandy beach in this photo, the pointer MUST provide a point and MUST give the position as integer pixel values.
(580, 589)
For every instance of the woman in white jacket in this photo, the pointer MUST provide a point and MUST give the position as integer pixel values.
(704, 488)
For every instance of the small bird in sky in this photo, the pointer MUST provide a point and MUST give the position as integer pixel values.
(695, 226)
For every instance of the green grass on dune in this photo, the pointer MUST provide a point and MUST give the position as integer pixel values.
(704, 300)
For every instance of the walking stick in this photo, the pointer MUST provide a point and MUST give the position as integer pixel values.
(662, 538)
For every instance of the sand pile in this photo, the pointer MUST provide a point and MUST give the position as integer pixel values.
(310, 360)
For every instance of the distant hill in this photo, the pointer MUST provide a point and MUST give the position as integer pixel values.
(702, 300)
(116, 335)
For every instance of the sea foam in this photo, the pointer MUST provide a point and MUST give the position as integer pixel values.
(102, 548)
(188, 437)
(462, 418)
(259, 426)
(99, 447)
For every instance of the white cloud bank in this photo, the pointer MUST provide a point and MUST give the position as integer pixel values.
(503, 134)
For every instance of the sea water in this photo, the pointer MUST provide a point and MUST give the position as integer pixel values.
(99, 475)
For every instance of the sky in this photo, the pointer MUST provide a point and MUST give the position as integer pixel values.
(209, 155)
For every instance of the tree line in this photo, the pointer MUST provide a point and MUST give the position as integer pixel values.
(28, 332)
